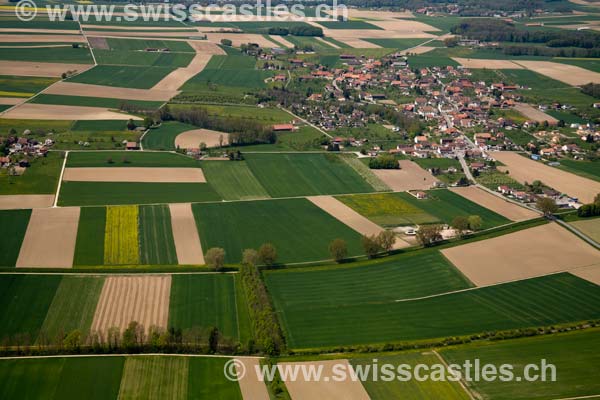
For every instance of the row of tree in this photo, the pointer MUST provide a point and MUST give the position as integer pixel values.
(591, 209)
(384, 161)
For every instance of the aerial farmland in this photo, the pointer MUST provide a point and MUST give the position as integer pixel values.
(377, 201)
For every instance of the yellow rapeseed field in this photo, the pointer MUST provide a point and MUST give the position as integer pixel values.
(121, 243)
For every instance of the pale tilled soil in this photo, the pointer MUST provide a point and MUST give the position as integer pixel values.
(568, 74)
(23, 201)
(7, 38)
(135, 174)
(11, 101)
(241, 38)
(409, 177)
(526, 170)
(144, 299)
(498, 205)
(525, 254)
(185, 235)
(252, 388)
(348, 216)
(27, 68)
(300, 389)
(488, 64)
(192, 139)
(358, 43)
(50, 238)
(108, 92)
(591, 274)
(534, 113)
(47, 111)
(34, 31)
(98, 43)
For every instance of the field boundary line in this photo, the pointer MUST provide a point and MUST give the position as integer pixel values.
(591, 396)
(133, 355)
(60, 179)
(578, 233)
(460, 381)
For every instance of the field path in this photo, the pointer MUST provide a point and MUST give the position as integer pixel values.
(50, 238)
(185, 234)
(252, 388)
(348, 216)
(526, 170)
(144, 299)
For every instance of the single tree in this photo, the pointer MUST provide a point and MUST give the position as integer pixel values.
(474, 222)
(250, 257)
(371, 245)
(460, 224)
(131, 125)
(267, 254)
(546, 205)
(386, 240)
(215, 258)
(429, 234)
(338, 249)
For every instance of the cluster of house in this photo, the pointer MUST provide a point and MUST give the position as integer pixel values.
(561, 200)
(21, 151)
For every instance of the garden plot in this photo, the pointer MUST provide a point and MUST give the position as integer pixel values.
(409, 177)
(534, 113)
(525, 170)
(28, 68)
(500, 206)
(50, 112)
(50, 238)
(109, 92)
(476, 63)
(185, 234)
(538, 251)
(348, 216)
(176, 79)
(568, 74)
(134, 174)
(23, 201)
(325, 389)
(192, 139)
(143, 299)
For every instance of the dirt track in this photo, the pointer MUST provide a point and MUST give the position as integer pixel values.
(52, 112)
(192, 139)
(22, 201)
(301, 389)
(525, 254)
(135, 174)
(568, 74)
(144, 299)
(488, 64)
(252, 388)
(27, 68)
(50, 238)
(348, 216)
(409, 177)
(526, 170)
(534, 114)
(109, 92)
(495, 203)
(185, 235)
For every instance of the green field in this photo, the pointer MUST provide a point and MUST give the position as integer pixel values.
(204, 301)
(590, 227)
(142, 44)
(299, 230)
(236, 71)
(89, 248)
(233, 180)
(412, 389)
(310, 42)
(587, 169)
(574, 354)
(23, 86)
(156, 236)
(284, 175)
(114, 193)
(14, 226)
(142, 58)
(399, 44)
(351, 24)
(95, 102)
(135, 77)
(163, 137)
(128, 159)
(388, 209)
(446, 205)
(73, 306)
(25, 300)
(267, 116)
(111, 377)
(40, 178)
(99, 126)
(80, 55)
(541, 301)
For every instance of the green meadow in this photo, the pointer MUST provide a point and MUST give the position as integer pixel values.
(119, 159)
(136, 77)
(40, 178)
(233, 180)
(163, 137)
